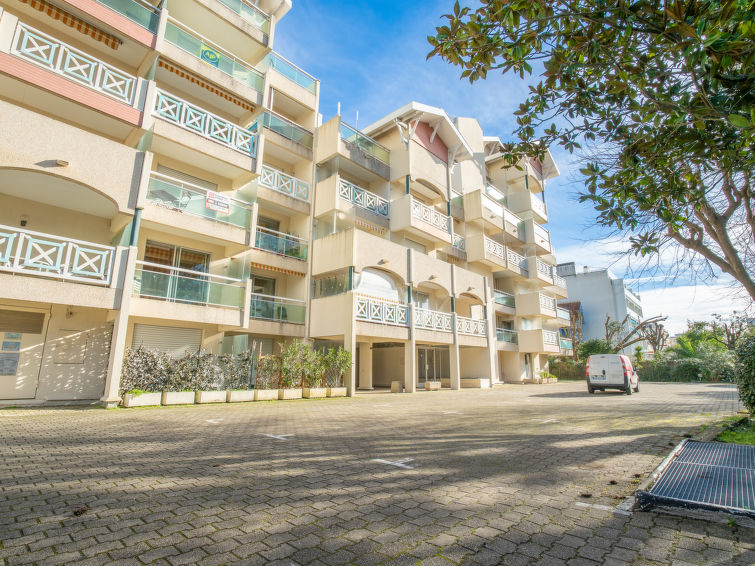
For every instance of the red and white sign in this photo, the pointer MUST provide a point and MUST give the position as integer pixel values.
(217, 202)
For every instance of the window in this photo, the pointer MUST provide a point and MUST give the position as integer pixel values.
(268, 223)
(377, 284)
(422, 300)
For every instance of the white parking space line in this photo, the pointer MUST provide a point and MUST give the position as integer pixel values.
(280, 436)
(398, 463)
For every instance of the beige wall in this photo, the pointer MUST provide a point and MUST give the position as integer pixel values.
(387, 365)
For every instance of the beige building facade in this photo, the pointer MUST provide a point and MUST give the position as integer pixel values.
(166, 181)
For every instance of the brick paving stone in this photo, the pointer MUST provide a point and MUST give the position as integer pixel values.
(494, 486)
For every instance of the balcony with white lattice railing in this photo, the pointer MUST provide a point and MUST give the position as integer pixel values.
(538, 236)
(57, 269)
(279, 188)
(559, 285)
(193, 134)
(438, 321)
(539, 341)
(471, 326)
(484, 250)
(540, 270)
(427, 223)
(534, 304)
(56, 68)
(379, 310)
(335, 194)
(516, 263)
(526, 203)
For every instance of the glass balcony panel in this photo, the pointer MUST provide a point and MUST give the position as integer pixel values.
(265, 307)
(562, 314)
(250, 13)
(505, 335)
(281, 244)
(141, 13)
(365, 143)
(182, 286)
(213, 55)
(290, 71)
(504, 299)
(565, 343)
(284, 127)
(183, 197)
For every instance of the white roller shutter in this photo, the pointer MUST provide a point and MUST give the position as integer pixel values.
(169, 339)
(185, 177)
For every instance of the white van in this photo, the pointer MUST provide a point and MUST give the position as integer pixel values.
(611, 371)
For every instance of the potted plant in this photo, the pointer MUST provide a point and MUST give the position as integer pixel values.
(143, 377)
(186, 376)
(338, 361)
(295, 360)
(314, 379)
(547, 377)
(268, 378)
(236, 377)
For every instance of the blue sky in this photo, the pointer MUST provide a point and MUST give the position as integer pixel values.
(370, 56)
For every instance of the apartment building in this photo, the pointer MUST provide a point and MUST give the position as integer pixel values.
(166, 183)
(601, 293)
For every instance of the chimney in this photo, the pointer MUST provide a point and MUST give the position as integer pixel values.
(585, 269)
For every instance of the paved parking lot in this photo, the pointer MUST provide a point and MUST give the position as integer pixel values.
(515, 475)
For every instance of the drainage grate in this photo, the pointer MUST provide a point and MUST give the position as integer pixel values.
(709, 475)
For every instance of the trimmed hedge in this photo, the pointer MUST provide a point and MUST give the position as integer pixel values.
(745, 372)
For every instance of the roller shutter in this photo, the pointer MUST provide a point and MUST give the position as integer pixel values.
(169, 339)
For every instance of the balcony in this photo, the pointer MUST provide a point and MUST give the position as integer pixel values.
(540, 270)
(427, 319)
(539, 236)
(380, 311)
(425, 222)
(565, 345)
(288, 130)
(529, 204)
(277, 309)
(482, 249)
(211, 56)
(364, 199)
(479, 206)
(138, 11)
(513, 225)
(189, 117)
(281, 244)
(363, 149)
(283, 66)
(539, 341)
(516, 264)
(505, 301)
(193, 200)
(45, 255)
(535, 304)
(506, 339)
(46, 52)
(559, 285)
(563, 315)
(471, 326)
(284, 184)
(251, 14)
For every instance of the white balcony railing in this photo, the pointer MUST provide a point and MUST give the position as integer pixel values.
(516, 260)
(189, 117)
(363, 198)
(382, 311)
(431, 216)
(493, 247)
(541, 234)
(49, 53)
(46, 255)
(543, 268)
(550, 337)
(433, 320)
(538, 206)
(471, 326)
(282, 183)
(460, 243)
(558, 281)
(547, 302)
(563, 314)
(506, 335)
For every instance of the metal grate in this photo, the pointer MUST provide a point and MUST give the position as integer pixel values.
(708, 475)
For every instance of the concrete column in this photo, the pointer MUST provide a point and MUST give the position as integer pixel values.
(350, 345)
(7, 30)
(365, 365)
(453, 356)
(110, 398)
(492, 338)
(410, 356)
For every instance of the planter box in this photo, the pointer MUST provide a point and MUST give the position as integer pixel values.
(336, 392)
(432, 386)
(289, 393)
(143, 400)
(265, 394)
(178, 397)
(314, 392)
(210, 397)
(397, 387)
(239, 396)
(475, 382)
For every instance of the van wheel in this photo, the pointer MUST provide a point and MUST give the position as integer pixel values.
(628, 387)
(637, 389)
(590, 390)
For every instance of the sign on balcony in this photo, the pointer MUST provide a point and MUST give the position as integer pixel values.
(209, 55)
(218, 203)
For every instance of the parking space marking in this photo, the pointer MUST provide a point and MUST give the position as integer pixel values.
(280, 436)
(398, 463)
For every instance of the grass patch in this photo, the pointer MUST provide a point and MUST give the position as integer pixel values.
(743, 433)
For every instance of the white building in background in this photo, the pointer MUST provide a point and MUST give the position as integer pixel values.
(601, 293)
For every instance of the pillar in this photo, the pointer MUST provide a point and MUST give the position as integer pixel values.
(365, 366)
(350, 345)
(453, 357)
(410, 366)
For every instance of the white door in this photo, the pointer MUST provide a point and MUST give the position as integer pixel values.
(22, 342)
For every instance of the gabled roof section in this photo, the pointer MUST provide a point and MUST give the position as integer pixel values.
(550, 169)
(435, 117)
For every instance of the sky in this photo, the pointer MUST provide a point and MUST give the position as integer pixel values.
(371, 57)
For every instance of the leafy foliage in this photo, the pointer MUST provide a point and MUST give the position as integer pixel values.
(594, 346)
(746, 372)
(657, 96)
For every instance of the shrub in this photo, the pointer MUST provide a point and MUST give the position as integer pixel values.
(268, 374)
(594, 346)
(745, 372)
(298, 360)
(145, 370)
(337, 361)
(691, 369)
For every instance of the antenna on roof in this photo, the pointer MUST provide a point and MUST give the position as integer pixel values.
(357, 125)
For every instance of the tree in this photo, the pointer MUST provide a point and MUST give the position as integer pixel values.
(594, 346)
(729, 329)
(576, 320)
(621, 335)
(639, 354)
(656, 335)
(663, 92)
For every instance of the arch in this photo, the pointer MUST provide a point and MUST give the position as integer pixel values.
(379, 282)
(432, 187)
(434, 285)
(472, 296)
(34, 184)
